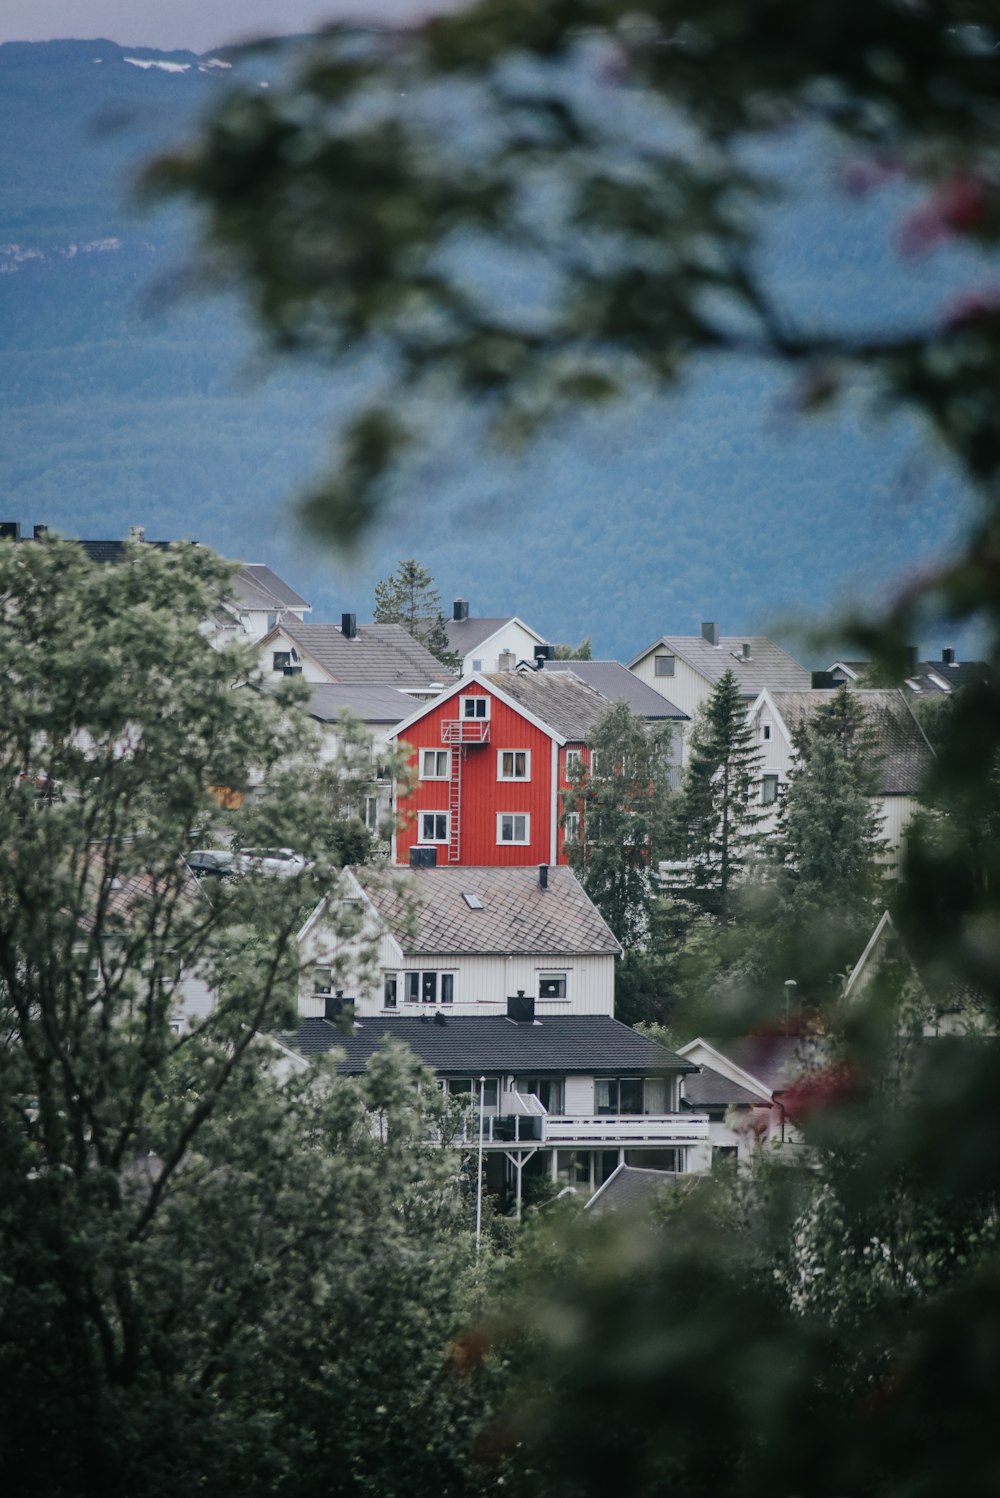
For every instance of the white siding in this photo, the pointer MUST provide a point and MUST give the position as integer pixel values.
(686, 689)
(511, 636)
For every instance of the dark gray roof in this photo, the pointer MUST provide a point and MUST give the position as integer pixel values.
(766, 666)
(934, 676)
(904, 754)
(710, 1089)
(776, 1060)
(115, 551)
(617, 683)
(379, 654)
(631, 1188)
(465, 634)
(559, 698)
(425, 911)
(470, 1044)
(254, 581)
(371, 704)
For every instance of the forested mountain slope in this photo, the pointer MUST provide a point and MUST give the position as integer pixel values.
(120, 404)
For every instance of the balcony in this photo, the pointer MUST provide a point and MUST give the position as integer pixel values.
(562, 1131)
(465, 731)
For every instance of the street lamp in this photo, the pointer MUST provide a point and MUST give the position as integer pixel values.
(479, 1171)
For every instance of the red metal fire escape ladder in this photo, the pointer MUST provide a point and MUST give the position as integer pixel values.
(457, 733)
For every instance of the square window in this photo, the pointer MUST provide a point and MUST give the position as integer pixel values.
(551, 985)
(433, 826)
(663, 665)
(477, 664)
(435, 764)
(513, 764)
(475, 707)
(280, 660)
(322, 980)
(512, 827)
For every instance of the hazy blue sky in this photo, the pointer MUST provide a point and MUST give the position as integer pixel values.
(195, 24)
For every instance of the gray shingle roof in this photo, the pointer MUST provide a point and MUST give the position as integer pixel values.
(471, 1044)
(558, 698)
(904, 755)
(617, 683)
(775, 1060)
(766, 666)
(379, 654)
(371, 704)
(425, 911)
(465, 634)
(710, 1089)
(255, 575)
(631, 1188)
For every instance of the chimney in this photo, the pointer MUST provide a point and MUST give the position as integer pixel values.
(460, 610)
(439, 1018)
(910, 656)
(506, 661)
(544, 653)
(10, 530)
(947, 656)
(40, 531)
(521, 1008)
(423, 856)
(137, 533)
(333, 1005)
(543, 876)
(823, 681)
(746, 650)
(710, 632)
(349, 626)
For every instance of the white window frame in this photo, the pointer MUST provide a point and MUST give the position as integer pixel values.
(478, 714)
(431, 837)
(512, 841)
(370, 815)
(441, 990)
(554, 975)
(574, 761)
(571, 827)
(512, 754)
(769, 782)
(765, 731)
(669, 660)
(436, 756)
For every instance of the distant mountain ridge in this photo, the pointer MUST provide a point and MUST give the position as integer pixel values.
(120, 405)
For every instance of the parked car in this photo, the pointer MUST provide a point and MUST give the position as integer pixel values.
(214, 863)
(281, 862)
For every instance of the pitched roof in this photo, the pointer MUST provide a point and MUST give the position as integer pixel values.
(558, 698)
(766, 665)
(372, 704)
(258, 586)
(775, 1060)
(630, 1188)
(115, 551)
(903, 752)
(710, 1089)
(470, 1044)
(618, 684)
(465, 634)
(426, 912)
(379, 654)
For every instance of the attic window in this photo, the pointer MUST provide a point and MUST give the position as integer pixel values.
(663, 665)
(472, 900)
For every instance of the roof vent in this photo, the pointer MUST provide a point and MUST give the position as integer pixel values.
(460, 610)
(947, 656)
(544, 653)
(349, 626)
(543, 876)
(521, 1008)
(10, 530)
(746, 650)
(710, 632)
(40, 531)
(423, 856)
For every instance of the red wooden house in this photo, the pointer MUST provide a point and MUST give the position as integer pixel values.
(489, 758)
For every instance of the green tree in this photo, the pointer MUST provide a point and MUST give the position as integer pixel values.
(215, 1273)
(620, 811)
(409, 597)
(720, 810)
(581, 652)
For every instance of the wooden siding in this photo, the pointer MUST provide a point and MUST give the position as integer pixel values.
(484, 796)
(579, 1097)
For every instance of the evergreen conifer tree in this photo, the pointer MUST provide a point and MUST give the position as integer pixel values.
(720, 806)
(409, 597)
(623, 807)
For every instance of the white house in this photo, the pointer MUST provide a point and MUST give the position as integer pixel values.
(500, 979)
(685, 668)
(742, 1087)
(486, 645)
(902, 753)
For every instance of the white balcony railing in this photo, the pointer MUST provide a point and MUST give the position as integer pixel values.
(507, 1130)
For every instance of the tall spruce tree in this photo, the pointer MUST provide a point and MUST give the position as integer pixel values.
(408, 597)
(720, 809)
(622, 813)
